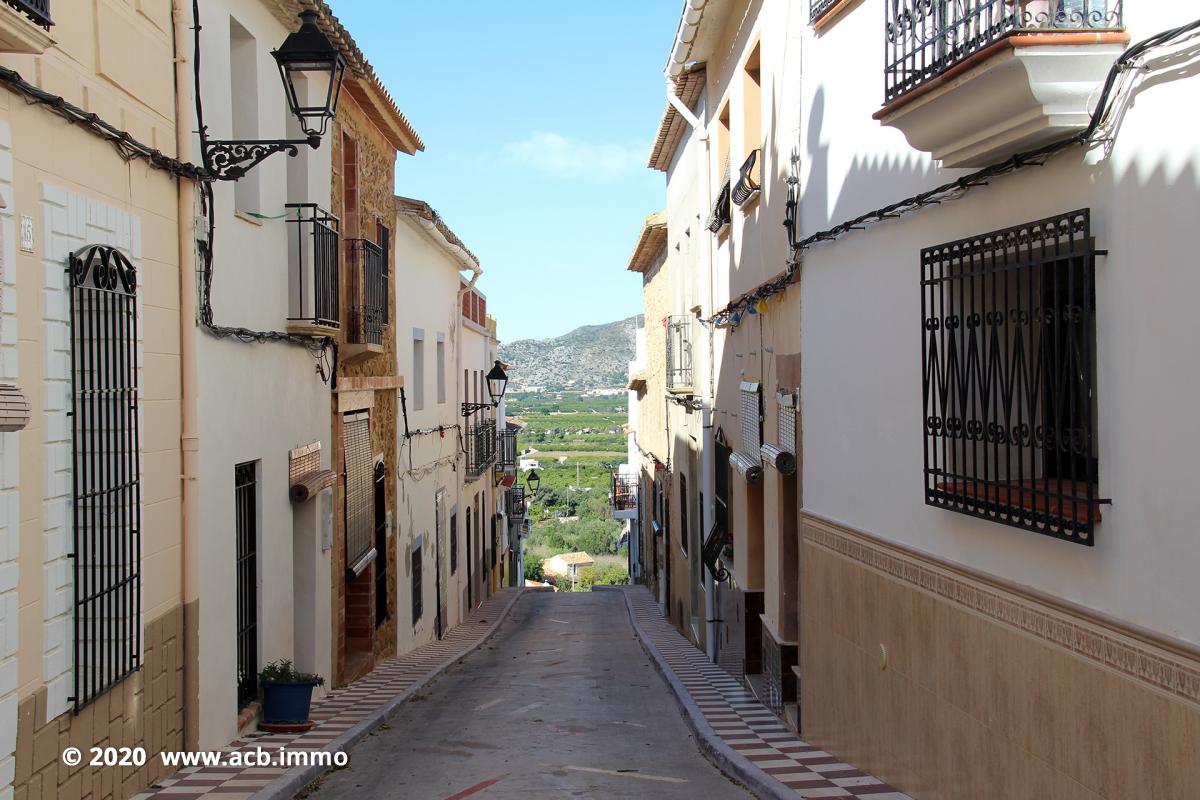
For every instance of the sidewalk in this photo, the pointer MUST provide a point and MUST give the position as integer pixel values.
(735, 730)
(343, 717)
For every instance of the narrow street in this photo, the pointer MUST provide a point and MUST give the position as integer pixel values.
(562, 701)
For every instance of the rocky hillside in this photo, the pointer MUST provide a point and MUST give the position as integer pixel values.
(591, 357)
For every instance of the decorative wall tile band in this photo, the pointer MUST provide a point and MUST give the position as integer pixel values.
(1092, 639)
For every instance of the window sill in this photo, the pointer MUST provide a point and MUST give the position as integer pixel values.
(244, 217)
(1070, 504)
(312, 329)
(751, 202)
(831, 14)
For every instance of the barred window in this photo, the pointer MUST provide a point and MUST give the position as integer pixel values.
(106, 471)
(382, 606)
(360, 498)
(454, 543)
(1009, 380)
(417, 599)
(684, 532)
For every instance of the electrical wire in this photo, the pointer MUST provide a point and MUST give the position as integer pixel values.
(731, 315)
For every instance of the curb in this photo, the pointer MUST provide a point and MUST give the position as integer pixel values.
(295, 779)
(725, 758)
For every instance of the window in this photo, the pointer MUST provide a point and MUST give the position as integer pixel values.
(382, 611)
(454, 542)
(349, 186)
(418, 369)
(106, 471)
(360, 500)
(383, 237)
(1009, 383)
(679, 354)
(787, 421)
(718, 220)
(751, 104)
(417, 599)
(441, 369)
(243, 94)
(750, 416)
(684, 501)
(245, 482)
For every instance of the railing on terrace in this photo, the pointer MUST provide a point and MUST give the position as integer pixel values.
(369, 311)
(624, 492)
(313, 253)
(481, 447)
(516, 502)
(925, 38)
(38, 11)
(508, 450)
(679, 353)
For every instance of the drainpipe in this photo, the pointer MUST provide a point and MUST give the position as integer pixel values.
(708, 452)
(189, 434)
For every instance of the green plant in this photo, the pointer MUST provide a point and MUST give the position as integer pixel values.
(282, 671)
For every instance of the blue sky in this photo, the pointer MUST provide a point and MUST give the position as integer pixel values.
(537, 117)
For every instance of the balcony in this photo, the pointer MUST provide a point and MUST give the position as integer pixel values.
(481, 447)
(624, 496)
(679, 355)
(368, 298)
(25, 26)
(516, 502)
(975, 81)
(508, 450)
(314, 295)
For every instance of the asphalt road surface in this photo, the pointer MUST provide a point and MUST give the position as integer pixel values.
(561, 702)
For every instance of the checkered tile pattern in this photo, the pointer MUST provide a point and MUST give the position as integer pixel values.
(744, 723)
(335, 714)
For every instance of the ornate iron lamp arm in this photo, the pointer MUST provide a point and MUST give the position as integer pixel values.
(229, 160)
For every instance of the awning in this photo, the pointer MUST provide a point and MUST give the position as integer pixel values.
(749, 180)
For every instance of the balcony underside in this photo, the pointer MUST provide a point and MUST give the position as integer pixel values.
(625, 513)
(1024, 91)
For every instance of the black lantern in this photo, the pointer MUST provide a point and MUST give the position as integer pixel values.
(533, 481)
(311, 67)
(497, 382)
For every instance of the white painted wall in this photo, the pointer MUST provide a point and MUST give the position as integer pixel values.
(427, 281)
(861, 342)
(257, 401)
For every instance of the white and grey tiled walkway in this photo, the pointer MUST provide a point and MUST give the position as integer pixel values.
(744, 724)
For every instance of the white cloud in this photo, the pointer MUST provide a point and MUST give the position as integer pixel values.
(564, 157)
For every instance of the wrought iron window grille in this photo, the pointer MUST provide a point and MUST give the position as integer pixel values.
(1008, 377)
(246, 569)
(38, 11)
(369, 310)
(924, 38)
(721, 214)
(382, 604)
(679, 353)
(749, 179)
(624, 492)
(418, 597)
(516, 502)
(314, 251)
(106, 474)
(507, 461)
(713, 551)
(481, 447)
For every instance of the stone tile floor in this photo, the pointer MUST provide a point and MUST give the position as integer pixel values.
(746, 725)
(335, 714)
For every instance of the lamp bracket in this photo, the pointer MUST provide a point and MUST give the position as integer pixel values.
(230, 159)
(470, 408)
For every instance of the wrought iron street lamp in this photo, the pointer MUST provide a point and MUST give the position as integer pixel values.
(310, 67)
(533, 481)
(497, 382)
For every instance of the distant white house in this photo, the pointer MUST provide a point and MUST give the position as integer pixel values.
(567, 564)
(527, 464)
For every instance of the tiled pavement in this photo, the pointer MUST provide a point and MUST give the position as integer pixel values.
(340, 716)
(743, 723)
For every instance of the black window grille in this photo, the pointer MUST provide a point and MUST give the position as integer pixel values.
(385, 245)
(481, 447)
(38, 11)
(245, 482)
(370, 309)
(381, 531)
(516, 502)
(683, 514)
(624, 492)
(749, 181)
(360, 497)
(453, 543)
(1009, 379)
(508, 449)
(313, 251)
(679, 353)
(721, 214)
(495, 540)
(819, 8)
(106, 474)
(924, 38)
(418, 606)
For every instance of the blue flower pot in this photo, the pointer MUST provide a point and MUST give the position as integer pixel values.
(287, 703)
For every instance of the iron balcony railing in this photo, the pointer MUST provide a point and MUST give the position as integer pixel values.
(313, 252)
(818, 9)
(37, 10)
(516, 502)
(624, 492)
(508, 450)
(925, 38)
(714, 551)
(481, 447)
(679, 353)
(369, 311)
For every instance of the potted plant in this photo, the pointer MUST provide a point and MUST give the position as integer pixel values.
(287, 696)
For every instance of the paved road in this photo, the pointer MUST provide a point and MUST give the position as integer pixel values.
(562, 702)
